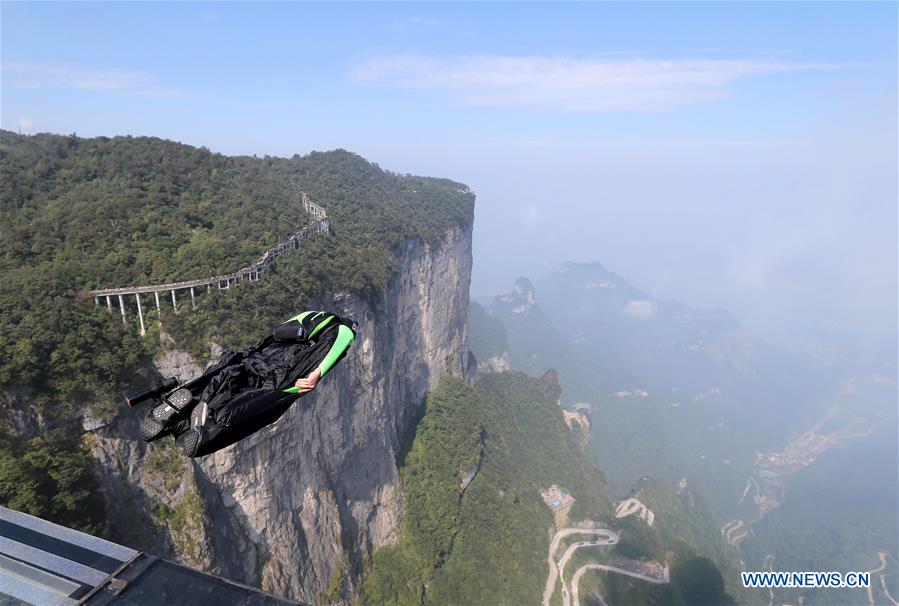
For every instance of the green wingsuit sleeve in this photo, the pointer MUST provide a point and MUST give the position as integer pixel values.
(345, 338)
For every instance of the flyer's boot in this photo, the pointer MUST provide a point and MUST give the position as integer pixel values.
(158, 422)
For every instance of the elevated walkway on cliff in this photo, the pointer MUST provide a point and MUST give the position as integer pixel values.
(116, 297)
(44, 564)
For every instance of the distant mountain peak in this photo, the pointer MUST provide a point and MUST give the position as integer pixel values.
(522, 298)
(590, 275)
(596, 266)
(525, 287)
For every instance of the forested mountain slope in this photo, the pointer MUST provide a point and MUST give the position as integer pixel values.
(77, 214)
(486, 543)
(84, 213)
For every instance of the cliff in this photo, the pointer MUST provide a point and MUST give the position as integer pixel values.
(298, 507)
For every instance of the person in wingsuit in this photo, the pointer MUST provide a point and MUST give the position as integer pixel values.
(247, 390)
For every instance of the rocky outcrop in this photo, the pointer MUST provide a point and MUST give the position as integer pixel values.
(470, 475)
(313, 495)
(472, 471)
(498, 363)
(521, 299)
(579, 423)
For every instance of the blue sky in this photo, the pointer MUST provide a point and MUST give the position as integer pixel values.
(732, 155)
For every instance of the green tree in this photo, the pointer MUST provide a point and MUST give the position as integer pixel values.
(51, 476)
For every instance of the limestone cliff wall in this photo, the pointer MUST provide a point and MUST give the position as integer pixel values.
(297, 507)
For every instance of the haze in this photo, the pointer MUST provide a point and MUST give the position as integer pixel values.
(729, 155)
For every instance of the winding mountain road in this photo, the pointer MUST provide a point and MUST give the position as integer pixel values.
(611, 539)
(883, 555)
(575, 581)
(554, 545)
(557, 569)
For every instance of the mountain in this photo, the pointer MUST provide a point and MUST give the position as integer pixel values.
(403, 479)
(497, 483)
(79, 214)
(476, 527)
(396, 481)
(300, 507)
(689, 396)
(363, 477)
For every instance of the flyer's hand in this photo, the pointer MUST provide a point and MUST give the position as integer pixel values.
(308, 384)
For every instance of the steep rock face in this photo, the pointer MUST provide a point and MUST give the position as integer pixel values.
(311, 496)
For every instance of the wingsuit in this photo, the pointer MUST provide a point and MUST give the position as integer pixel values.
(247, 390)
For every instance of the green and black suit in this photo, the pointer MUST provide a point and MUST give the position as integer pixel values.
(247, 390)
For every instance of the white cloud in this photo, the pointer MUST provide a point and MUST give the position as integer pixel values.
(640, 309)
(576, 85)
(25, 123)
(19, 74)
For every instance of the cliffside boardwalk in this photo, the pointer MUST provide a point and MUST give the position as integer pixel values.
(320, 224)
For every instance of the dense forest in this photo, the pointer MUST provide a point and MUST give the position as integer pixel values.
(77, 214)
(485, 544)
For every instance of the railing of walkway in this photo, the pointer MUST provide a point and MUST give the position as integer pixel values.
(320, 224)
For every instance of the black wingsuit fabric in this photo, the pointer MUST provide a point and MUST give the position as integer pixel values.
(244, 389)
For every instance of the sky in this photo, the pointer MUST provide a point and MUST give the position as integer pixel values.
(729, 155)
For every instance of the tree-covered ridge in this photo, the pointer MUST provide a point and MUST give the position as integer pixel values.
(374, 205)
(488, 543)
(137, 210)
(85, 213)
(78, 214)
(447, 442)
(522, 414)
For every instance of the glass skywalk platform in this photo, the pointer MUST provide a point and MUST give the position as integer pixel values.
(44, 564)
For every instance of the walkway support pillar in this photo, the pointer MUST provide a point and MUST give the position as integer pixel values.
(122, 308)
(193, 303)
(174, 302)
(140, 315)
(108, 304)
(158, 307)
